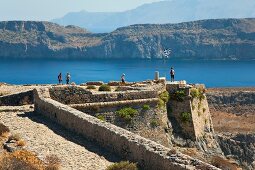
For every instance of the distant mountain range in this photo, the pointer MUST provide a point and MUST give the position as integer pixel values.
(221, 39)
(172, 11)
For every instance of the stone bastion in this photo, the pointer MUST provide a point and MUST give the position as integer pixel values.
(159, 112)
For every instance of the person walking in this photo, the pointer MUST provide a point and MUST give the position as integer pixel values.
(172, 73)
(68, 77)
(60, 78)
(123, 79)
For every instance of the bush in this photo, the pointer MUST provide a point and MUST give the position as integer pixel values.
(199, 114)
(193, 107)
(100, 117)
(154, 123)
(123, 165)
(185, 117)
(91, 87)
(3, 129)
(194, 93)
(161, 103)
(164, 96)
(104, 87)
(179, 95)
(146, 107)
(127, 113)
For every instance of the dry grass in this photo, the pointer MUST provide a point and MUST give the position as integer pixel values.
(3, 129)
(21, 143)
(25, 160)
(224, 164)
(52, 162)
(20, 160)
(123, 165)
(15, 137)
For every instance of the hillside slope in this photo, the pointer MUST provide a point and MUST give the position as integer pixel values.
(207, 39)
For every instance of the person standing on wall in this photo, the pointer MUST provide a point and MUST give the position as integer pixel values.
(172, 73)
(60, 78)
(68, 77)
(123, 79)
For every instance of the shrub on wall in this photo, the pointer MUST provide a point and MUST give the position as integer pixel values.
(164, 96)
(154, 123)
(91, 87)
(127, 113)
(123, 165)
(146, 107)
(185, 117)
(194, 93)
(100, 117)
(178, 95)
(104, 87)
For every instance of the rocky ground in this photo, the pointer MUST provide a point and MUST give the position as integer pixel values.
(45, 138)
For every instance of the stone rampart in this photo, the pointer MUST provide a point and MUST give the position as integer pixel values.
(79, 95)
(149, 155)
(17, 99)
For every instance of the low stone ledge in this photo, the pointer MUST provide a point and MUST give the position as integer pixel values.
(17, 99)
(150, 155)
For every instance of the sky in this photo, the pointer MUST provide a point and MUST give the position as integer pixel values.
(44, 10)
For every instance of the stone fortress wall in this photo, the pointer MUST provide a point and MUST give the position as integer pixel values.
(128, 145)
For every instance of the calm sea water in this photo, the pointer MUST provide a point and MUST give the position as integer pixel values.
(211, 73)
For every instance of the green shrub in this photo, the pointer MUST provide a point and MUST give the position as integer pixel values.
(123, 165)
(179, 95)
(199, 105)
(194, 93)
(100, 117)
(161, 103)
(164, 96)
(91, 87)
(127, 113)
(185, 117)
(146, 107)
(154, 123)
(104, 87)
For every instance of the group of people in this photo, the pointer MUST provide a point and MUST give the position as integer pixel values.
(68, 77)
(123, 81)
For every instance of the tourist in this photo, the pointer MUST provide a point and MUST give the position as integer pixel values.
(60, 78)
(123, 78)
(68, 77)
(172, 74)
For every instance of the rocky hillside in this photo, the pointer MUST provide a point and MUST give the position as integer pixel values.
(207, 39)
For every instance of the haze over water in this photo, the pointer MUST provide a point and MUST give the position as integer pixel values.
(211, 73)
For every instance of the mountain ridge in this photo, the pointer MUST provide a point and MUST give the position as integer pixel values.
(161, 12)
(218, 39)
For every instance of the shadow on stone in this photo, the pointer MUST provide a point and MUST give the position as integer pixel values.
(71, 136)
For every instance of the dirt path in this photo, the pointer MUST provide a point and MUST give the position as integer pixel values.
(45, 137)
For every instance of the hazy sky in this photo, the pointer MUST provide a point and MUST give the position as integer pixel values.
(50, 9)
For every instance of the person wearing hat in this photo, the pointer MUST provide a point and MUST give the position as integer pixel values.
(68, 77)
(123, 78)
(172, 74)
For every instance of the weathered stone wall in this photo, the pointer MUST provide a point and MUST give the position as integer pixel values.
(17, 99)
(79, 95)
(147, 153)
(150, 122)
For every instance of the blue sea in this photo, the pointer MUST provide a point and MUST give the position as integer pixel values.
(211, 73)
